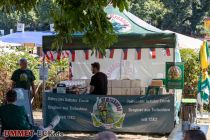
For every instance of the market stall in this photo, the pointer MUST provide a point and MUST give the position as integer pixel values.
(139, 99)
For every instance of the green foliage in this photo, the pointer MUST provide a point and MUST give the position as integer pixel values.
(72, 16)
(151, 11)
(192, 70)
(185, 16)
(9, 63)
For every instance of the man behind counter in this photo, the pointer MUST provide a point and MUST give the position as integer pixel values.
(98, 83)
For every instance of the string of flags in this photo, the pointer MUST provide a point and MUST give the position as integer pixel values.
(53, 56)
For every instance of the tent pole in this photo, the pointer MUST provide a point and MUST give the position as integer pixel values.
(43, 73)
(121, 67)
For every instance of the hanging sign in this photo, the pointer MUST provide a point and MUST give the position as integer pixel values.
(174, 75)
(43, 73)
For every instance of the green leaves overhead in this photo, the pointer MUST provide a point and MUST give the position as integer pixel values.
(72, 16)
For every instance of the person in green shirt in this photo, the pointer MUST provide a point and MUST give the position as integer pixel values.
(23, 77)
(13, 117)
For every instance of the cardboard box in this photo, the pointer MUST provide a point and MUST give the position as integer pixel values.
(135, 83)
(126, 91)
(157, 83)
(126, 83)
(116, 91)
(135, 91)
(109, 91)
(143, 91)
(116, 83)
(109, 84)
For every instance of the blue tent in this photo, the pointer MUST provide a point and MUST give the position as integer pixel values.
(25, 37)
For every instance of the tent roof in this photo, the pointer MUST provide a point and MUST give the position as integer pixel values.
(132, 33)
(186, 42)
(25, 37)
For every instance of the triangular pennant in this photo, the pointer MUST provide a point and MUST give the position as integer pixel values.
(138, 53)
(59, 55)
(125, 54)
(153, 53)
(111, 53)
(86, 54)
(100, 56)
(168, 53)
(65, 54)
(51, 56)
(73, 55)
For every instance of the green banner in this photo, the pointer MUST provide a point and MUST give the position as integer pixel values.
(136, 114)
(174, 75)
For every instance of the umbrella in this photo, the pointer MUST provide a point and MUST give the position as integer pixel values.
(204, 83)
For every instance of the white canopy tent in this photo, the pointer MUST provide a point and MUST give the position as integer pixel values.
(186, 42)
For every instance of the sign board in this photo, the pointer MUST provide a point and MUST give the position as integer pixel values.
(136, 114)
(174, 75)
(52, 28)
(20, 27)
(43, 73)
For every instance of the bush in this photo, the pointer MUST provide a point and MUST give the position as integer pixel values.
(9, 63)
(191, 72)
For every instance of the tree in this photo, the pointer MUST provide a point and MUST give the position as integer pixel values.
(151, 11)
(185, 16)
(72, 16)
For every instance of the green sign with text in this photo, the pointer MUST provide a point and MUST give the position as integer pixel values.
(136, 114)
(174, 75)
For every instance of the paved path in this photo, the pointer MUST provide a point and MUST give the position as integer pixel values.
(88, 136)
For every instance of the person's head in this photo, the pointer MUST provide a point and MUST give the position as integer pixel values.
(194, 135)
(95, 67)
(11, 96)
(23, 63)
(106, 135)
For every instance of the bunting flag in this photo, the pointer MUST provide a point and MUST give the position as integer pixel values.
(73, 55)
(168, 53)
(100, 56)
(51, 55)
(138, 53)
(111, 53)
(59, 55)
(65, 54)
(86, 54)
(153, 53)
(125, 54)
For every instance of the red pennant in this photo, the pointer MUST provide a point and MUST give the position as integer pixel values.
(125, 52)
(86, 54)
(111, 53)
(51, 56)
(168, 53)
(73, 55)
(138, 54)
(153, 53)
(58, 55)
(100, 56)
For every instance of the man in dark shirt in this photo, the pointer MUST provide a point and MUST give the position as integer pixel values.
(23, 77)
(98, 83)
(14, 117)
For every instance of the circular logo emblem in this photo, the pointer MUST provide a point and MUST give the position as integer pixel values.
(174, 73)
(119, 23)
(108, 113)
